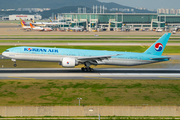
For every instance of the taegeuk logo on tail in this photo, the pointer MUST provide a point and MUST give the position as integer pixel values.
(158, 47)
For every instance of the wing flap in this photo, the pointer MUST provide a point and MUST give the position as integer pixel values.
(97, 57)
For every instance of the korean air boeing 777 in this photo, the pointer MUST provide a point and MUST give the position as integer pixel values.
(74, 57)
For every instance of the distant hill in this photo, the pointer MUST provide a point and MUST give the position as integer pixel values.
(58, 6)
(53, 4)
(74, 9)
(67, 9)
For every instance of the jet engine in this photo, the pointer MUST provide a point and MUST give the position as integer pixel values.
(69, 62)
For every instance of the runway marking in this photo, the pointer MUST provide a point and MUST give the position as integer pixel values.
(21, 77)
(169, 77)
(98, 77)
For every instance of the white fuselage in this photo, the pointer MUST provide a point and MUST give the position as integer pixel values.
(58, 58)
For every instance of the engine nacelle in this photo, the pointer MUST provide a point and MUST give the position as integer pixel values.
(68, 62)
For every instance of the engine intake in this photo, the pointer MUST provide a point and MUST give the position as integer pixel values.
(69, 62)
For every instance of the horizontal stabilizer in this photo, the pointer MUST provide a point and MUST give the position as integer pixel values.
(163, 58)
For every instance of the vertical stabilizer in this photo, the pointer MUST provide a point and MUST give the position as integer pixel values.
(32, 20)
(22, 21)
(22, 24)
(158, 47)
(31, 25)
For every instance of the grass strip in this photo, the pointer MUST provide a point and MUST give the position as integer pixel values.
(81, 41)
(94, 92)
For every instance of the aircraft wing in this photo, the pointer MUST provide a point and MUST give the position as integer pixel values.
(96, 57)
(160, 58)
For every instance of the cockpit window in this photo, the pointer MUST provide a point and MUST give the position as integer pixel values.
(7, 51)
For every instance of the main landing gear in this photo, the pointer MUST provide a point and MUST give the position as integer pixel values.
(87, 67)
(14, 60)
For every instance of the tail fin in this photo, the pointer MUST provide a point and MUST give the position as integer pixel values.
(50, 20)
(158, 47)
(32, 20)
(31, 25)
(22, 21)
(22, 24)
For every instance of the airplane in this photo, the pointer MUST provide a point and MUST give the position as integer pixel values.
(42, 23)
(45, 23)
(25, 23)
(159, 30)
(73, 57)
(37, 23)
(75, 28)
(25, 27)
(40, 28)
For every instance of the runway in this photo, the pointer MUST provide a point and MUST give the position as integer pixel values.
(98, 74)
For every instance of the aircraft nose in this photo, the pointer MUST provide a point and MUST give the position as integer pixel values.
(4, 54)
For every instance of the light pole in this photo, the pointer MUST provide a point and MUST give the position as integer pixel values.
(79, 100)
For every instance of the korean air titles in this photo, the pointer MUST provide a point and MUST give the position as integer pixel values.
(41, 50)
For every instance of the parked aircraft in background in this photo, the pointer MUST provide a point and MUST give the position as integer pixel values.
(25, 23)
(75, 28)
(25, 27)
(40, 28)
(36, 28)
(73, 57)
(42, 23)
(159, 29)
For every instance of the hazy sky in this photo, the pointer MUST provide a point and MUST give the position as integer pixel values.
(150, 4)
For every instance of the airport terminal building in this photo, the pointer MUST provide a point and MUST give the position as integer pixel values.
(117, 21)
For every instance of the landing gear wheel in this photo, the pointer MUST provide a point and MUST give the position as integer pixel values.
(87, 69)
(91, 69)
(83, 68)
(15, 65)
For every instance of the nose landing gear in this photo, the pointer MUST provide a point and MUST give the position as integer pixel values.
(14, 60)
(15, 65)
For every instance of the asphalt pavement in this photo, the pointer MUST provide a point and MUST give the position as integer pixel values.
(99, 73)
